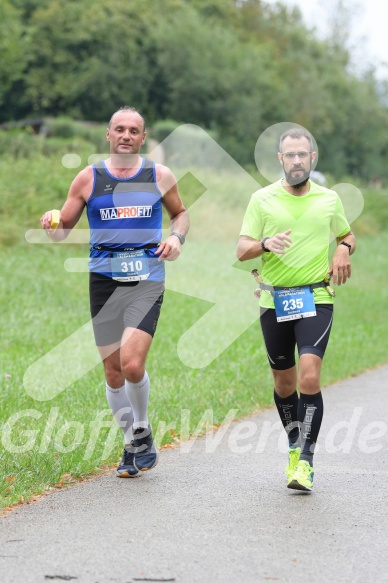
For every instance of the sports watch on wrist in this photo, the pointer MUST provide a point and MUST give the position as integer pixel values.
(264, 248)
(181, 238)
(346, 245)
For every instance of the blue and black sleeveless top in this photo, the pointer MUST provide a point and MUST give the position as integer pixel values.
(124, 214)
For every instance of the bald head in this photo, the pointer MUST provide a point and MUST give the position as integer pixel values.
(127, 109)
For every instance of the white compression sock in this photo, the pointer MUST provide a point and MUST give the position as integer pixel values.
(138, 397)
(121, 408)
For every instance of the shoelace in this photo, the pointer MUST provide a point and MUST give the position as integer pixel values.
(141, 439)
(128, 458)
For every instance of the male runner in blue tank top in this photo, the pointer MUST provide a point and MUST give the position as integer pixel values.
(288, 225)
(123, 196)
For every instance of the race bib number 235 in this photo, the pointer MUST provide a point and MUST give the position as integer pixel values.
(294, 303)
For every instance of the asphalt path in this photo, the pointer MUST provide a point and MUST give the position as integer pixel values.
(217, 509)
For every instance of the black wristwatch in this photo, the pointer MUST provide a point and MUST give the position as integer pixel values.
(346, 245)
(181, 238)
(264, 248)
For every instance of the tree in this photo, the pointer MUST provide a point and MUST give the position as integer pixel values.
(234, 67)
(14, 44)
(88, 58)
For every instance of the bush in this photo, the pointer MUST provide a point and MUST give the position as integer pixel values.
(188, 146)
(57, 137)
(63, 127)
(162, 129)
(19, 143)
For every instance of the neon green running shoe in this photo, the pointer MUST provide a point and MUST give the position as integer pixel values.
(303, 477)
(293, 458)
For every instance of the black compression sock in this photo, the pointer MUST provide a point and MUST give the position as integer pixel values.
(310, 413)
(288, 411)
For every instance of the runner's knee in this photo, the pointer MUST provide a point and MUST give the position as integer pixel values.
(133, 369)
(285, 381)
(309, 380)
(113, 375)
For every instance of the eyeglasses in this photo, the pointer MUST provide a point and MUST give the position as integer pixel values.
(292, 155)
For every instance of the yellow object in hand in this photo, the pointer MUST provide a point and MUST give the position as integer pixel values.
(55, 218)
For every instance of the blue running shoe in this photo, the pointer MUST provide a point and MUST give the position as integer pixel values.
(127, 468)
(146, 456)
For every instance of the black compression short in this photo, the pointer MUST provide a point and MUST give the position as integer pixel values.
(310, 335)
(116, 305)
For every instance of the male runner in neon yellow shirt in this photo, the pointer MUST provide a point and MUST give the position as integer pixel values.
(288, 224)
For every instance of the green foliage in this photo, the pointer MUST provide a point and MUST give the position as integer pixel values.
(374, 218)
(58, 136)
(40, 181)
(199, 152)
(233, 68)
(85, 60)
(162, 129)
(23, 145)
(91, 132)
(14, 45)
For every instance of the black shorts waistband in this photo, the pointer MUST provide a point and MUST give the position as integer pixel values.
(123, 249)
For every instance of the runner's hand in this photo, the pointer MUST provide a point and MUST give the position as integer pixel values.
(45, 221)
(170, 249)
(340, 268)
(279, 243)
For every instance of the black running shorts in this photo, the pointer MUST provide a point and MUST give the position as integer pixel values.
(310, 335)
(116, 305)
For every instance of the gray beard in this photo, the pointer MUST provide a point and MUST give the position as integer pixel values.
(300, 184)
(297, 183)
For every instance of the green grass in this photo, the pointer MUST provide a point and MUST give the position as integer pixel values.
(44, 443)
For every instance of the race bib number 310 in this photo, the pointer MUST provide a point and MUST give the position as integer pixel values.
(130, 265)
(295, 303)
